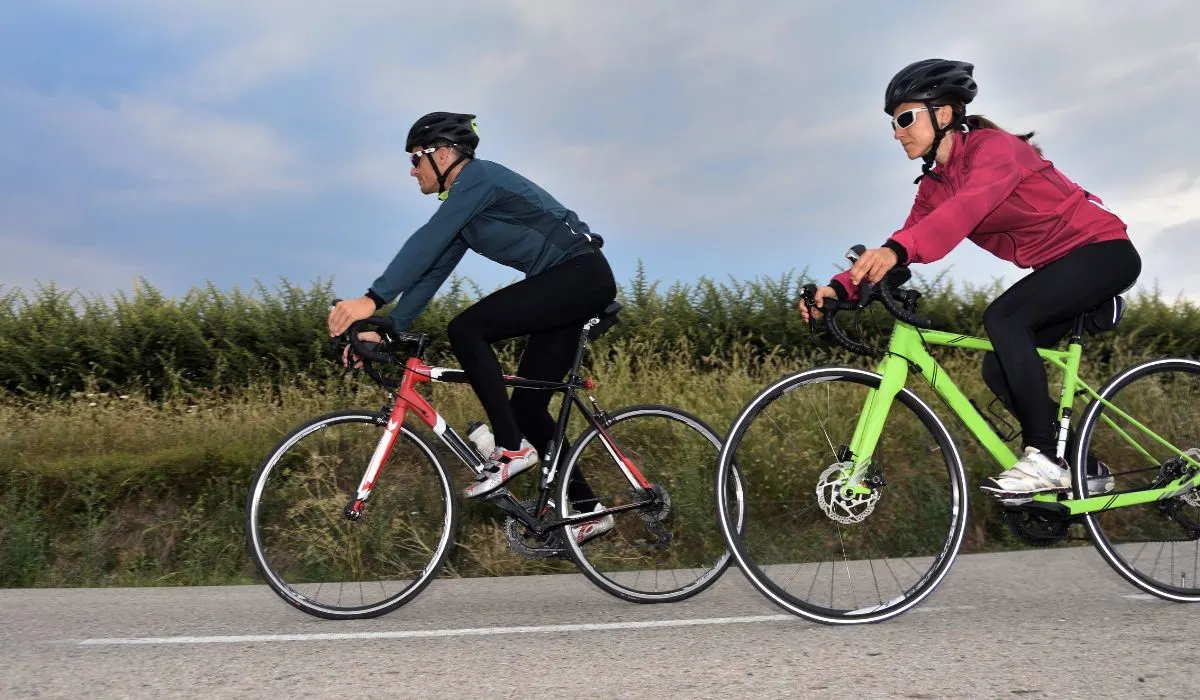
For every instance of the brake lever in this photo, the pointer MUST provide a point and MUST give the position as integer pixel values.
(866, 292)
(809, 294)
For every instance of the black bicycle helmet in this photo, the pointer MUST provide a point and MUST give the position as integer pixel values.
(448, 127)
(932, 80)
(438, 128)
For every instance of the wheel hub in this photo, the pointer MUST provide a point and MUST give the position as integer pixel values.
(838, 501)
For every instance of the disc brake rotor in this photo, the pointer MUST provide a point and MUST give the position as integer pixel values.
(845, 508)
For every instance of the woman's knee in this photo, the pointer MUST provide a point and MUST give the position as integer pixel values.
(990, 370)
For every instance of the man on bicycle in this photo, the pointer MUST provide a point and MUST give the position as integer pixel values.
(505, 217)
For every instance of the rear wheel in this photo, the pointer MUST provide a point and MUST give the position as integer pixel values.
(1154, 546)
(654, 554)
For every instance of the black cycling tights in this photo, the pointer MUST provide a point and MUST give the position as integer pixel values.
(1038, 311)
(551, 308)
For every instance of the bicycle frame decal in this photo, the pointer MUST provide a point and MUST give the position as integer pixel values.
(631, 471)
(382, 450)
(407, 397)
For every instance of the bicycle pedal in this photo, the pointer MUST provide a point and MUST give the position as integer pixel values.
(1005, 496)
(1014, 502)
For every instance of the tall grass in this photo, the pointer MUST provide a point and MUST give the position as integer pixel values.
(130, 427)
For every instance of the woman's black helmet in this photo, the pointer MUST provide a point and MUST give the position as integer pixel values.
(933, 82)
(936, 80)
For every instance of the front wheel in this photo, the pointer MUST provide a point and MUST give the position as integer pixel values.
(812, 544)
(659, 553)
(1155, 546)
(326, 564)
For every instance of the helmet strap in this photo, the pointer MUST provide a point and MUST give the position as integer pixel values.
(441, 177)
(938, 132)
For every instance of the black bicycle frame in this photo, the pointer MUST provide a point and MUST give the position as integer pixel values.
(502, 497)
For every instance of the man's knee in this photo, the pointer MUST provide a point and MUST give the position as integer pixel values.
(463, 328)
(529, 405)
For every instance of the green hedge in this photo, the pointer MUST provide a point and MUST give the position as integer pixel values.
(55, 341)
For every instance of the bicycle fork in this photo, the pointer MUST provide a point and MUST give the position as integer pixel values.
(871, 419)
(406, 399)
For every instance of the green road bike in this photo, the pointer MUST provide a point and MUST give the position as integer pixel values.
(855, 494)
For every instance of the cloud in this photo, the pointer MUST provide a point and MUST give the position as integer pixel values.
(241, 68)
(1161, 261)
(154, 151)
(714, 137)
(74, 267)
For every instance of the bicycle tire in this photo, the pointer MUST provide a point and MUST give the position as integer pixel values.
(700, 531)
(326, 510)
(759, 575)
(1119, 520)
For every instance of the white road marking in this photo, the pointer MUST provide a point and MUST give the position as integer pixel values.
(414, 634)
(942, 608)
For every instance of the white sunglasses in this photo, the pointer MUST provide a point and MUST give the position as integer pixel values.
(906, 118)
(415, 157)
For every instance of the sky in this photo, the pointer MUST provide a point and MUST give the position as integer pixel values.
(211, 141)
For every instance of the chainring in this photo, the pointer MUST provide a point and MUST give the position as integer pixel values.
(527, 544)
(1035, 529)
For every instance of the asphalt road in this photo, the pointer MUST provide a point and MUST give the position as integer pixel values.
(1054, 623)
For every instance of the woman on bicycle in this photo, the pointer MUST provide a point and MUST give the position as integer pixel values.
(507, 218)
(995, 188)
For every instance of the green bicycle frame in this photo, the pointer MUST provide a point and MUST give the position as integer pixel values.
(908, 347)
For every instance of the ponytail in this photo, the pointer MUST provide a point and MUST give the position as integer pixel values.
(976, 122)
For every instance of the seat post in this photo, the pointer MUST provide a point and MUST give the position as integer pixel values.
(583, 342)
(1077, 329)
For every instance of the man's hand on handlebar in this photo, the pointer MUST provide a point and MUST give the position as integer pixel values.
(364, 337)
(346, 312)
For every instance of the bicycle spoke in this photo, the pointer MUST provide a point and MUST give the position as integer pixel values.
(670, 548)
(825, 554)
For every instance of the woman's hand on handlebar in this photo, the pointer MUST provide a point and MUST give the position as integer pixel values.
(822, 294)
(347, 312)
(872, 265)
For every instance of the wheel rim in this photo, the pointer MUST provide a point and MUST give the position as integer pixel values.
(324, 563)
(786, 443)
(677, 453)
